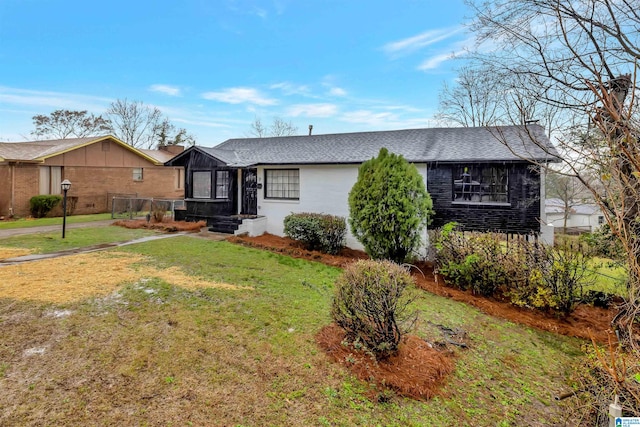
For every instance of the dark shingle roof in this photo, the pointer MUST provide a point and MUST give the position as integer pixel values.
(415, 145)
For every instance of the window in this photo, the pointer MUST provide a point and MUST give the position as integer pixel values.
(481, 184)
(50, 179)
(282, 184)
(600, 219)
(179, 179)
(137, 174)
(201, 185)
(222, 184)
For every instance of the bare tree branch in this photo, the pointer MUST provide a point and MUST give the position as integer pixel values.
(62, 124)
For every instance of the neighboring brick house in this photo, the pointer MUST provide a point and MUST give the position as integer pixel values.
(98, 168)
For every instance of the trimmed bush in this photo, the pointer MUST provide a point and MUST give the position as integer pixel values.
(41, 205)
(389, 207)
(325, 233)
(370, 304)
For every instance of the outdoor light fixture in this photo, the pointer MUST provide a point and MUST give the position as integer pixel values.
(66, 185)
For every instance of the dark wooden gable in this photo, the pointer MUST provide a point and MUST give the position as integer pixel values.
(195, 160)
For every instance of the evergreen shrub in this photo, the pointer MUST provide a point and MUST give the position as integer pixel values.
(389, 207)
(40, 206)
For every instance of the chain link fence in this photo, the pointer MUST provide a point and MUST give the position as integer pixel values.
(132, 207)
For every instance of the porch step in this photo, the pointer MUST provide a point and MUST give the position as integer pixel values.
(224, 224)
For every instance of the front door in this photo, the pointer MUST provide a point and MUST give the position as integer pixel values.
(250, 192)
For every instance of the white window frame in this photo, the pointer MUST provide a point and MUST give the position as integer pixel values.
(138, 174)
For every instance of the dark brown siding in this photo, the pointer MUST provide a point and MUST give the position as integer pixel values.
(521, 216)
(207, 209)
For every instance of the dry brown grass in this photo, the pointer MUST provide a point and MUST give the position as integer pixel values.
(6, 253)
(76, 277)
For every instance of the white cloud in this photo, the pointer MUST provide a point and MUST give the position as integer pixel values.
(369, 117)
(289, 88)
(385, 120)
(411, 44)
(239, 95)
(166, 89)
(204, 123)
(312, 110)
(337, 91)
(39, 100)
(435, 61)
(258, 11)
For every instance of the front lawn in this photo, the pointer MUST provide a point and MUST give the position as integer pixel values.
(43, 243)
(210, 333)
(39, 222)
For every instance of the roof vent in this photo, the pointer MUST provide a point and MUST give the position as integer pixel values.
(310, 129)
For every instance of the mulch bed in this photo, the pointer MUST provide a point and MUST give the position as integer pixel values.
(585, 322)
(164, 226)
(416, 371)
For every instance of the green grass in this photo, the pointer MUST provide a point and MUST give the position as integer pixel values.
(611, 277)
(42, 243)
(156, 354)
(73, 219)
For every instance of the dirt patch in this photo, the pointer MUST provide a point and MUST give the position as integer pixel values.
(585, 322)
(416, 371)
(76, 277)
(164, 226)
(287, 246)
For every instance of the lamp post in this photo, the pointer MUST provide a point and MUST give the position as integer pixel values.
(66, 185)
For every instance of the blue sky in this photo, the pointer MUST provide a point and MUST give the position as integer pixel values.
(214, 66)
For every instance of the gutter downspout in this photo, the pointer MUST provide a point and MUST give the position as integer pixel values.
(13, 188)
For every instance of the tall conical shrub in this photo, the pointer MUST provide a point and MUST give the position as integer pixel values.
(389, 207)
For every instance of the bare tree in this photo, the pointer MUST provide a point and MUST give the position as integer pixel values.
(281, 128)
(278, 128)
(566, 188)
(581, 56)
(487, 95)
(143, 126)
(476, 99)
(62, 124)
(166, 133)
(135, 123)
